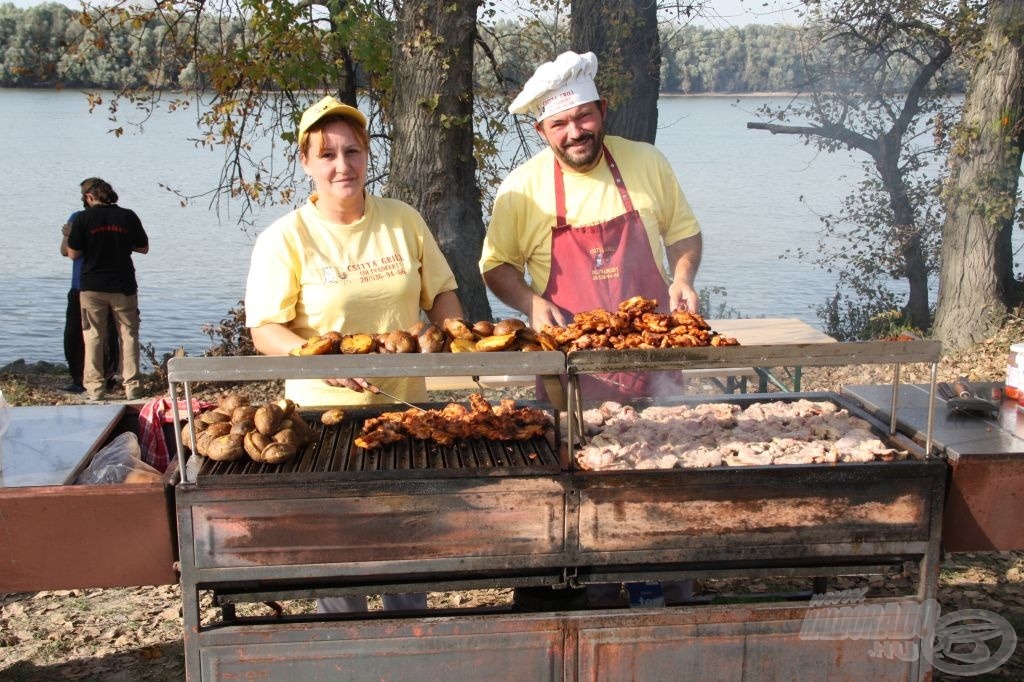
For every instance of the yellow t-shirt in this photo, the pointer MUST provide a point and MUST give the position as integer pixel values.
(524, 208)
(373, 276)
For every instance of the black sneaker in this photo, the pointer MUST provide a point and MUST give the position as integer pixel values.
(73, 388)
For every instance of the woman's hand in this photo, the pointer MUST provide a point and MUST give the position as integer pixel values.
(357, 384)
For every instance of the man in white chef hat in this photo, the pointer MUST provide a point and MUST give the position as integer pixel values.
(593, 218)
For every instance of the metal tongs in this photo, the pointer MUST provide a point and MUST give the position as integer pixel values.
(960, 397)
(373, 388)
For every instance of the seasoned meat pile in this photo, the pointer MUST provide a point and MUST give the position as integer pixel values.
(636, 325)
(456, 421)
(723, 434)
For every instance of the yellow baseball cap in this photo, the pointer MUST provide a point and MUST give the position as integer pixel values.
(326, 107)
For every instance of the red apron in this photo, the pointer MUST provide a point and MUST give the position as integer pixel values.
(598, 266)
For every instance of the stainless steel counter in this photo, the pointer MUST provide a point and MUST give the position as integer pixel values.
(954, 434)
(46, 445)
(985, 499)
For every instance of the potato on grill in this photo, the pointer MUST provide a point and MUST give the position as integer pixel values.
(463, 345)
(432, 339)
(397, 341)
(333, 416)
(496, 342)
(226, 448)
(458, 329)
(268, 418)
(317, 345)
(508, 326)
(358, 344)
(483, 328)
(271, 433)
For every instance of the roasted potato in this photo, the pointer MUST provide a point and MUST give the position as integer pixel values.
(213, 416)
(186, 437)
(358, 344)
(226, 448)
(287, 406)
(496, 342)
(203, 443)
(218, 429)
(289, 437)
(458, 329)
(317, 345)
(508, 326)
(243, 413)
(404, 342)
(254, 442)
(332, 417)
(432, 339)
(301, 428)
(463, 345)
(227, 402)
(417, 328)
(483, 328)
(276, 453)
(268, 418)
(243, 427)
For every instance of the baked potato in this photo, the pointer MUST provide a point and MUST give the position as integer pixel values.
(268, 418)
(463, 345)
(358, 344)
(432, 339)
(226, 448)
(508, 326)
(332, 417)
(458, 329)
(483, 328)
(496, 342)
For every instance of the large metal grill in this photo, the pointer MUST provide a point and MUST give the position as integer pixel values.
(334, 454)
(421, 517)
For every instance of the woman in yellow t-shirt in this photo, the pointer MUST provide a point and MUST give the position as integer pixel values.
(349, 262)
(346, 261)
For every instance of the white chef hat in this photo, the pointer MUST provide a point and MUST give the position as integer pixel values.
(556, 86)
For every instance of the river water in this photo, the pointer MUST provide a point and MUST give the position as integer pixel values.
(745, 187)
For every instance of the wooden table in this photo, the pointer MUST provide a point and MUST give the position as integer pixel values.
(769, 331)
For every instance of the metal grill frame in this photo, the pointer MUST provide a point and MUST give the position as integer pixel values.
(211, 651)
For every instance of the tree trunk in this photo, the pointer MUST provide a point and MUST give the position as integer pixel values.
(624, 36)
(432, 163)
(915, 267)
(981, 195)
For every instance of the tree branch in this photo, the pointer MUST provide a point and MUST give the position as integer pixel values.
(837, 133)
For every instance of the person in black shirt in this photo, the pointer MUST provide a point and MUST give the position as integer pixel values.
(105, 236)
(74, 342)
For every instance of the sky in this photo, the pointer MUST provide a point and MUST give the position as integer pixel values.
(719, 14)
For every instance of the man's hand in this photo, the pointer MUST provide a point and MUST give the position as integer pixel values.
(681, 296)
(544, 312)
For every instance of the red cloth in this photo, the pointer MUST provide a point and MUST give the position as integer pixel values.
(153, 416)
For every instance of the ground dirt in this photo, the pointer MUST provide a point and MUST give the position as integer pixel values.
(130, 634)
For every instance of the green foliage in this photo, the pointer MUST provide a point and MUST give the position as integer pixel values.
(230, 337)
(860, 318)
(716, 309)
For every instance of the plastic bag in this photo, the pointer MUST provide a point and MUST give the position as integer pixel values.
(119, 462)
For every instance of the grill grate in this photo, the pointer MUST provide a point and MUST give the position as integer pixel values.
(334, 451)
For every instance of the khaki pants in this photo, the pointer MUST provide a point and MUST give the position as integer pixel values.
(96, 308)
